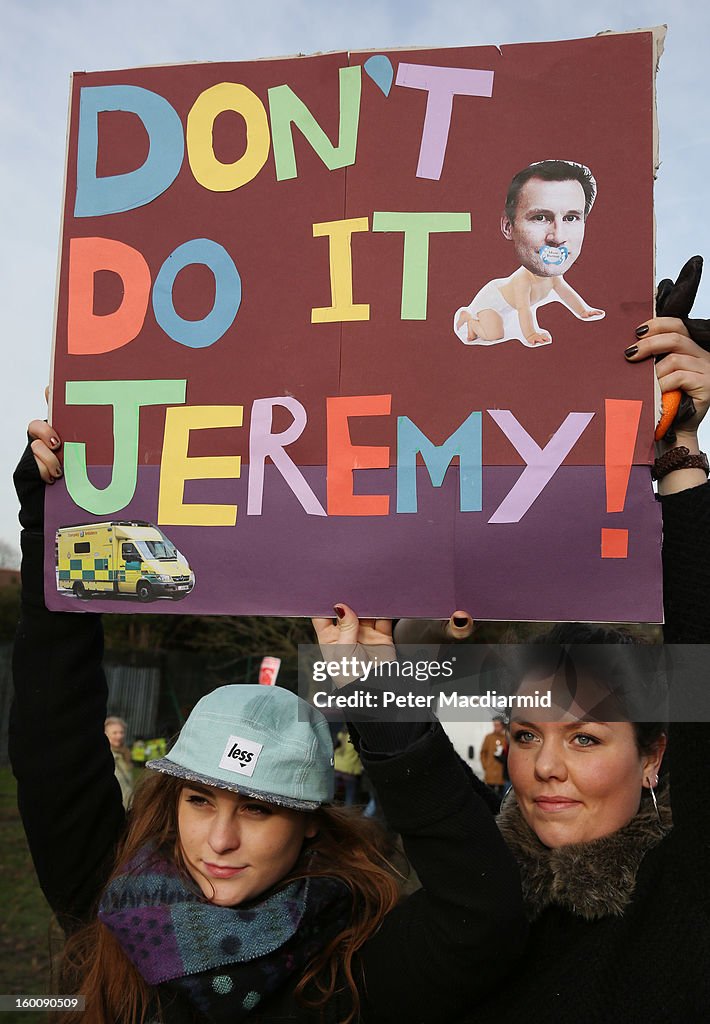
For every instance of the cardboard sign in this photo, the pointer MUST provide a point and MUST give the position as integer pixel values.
(351, 328)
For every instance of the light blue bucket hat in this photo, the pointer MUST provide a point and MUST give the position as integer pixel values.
(260, 741)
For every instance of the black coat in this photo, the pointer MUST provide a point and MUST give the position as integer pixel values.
(436, 952)
(620, 928)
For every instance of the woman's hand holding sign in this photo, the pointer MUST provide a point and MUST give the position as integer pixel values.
(680, 345)
(354, 642)
(46, 448)
(682, 366)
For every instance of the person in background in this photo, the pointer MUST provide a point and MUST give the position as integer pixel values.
(138, 754)
(348, 767)
(155, 748)
(493, 756)
(115, 729)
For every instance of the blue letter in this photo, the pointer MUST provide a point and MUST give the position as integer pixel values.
(464, 442)
(116, 193)
(227, 293)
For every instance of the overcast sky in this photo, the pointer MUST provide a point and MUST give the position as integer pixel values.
(43, 41)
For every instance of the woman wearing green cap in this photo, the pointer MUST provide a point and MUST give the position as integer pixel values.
(234, 891)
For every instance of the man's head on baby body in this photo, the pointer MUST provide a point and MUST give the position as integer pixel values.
(545, 214)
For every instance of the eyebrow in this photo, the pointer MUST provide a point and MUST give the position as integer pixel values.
(210, 791)
(199, 788)
(540, 209)
(577, 723)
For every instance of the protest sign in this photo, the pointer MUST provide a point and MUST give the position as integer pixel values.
(306, 353)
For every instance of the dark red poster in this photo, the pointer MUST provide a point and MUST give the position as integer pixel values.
(350, 327)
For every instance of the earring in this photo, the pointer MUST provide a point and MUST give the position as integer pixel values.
(653, 795)
(505, 799)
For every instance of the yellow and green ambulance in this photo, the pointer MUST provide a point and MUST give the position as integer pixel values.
(133, 558)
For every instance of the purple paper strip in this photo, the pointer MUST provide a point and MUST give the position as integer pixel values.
(426, 564)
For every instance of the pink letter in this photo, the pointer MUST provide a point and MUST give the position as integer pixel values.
(442, 84)
(264, 443)
(542, 463)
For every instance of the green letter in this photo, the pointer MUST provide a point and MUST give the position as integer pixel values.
(126, 397)
(286, 108)
(415, 269)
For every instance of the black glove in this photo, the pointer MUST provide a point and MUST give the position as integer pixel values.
(676, 299)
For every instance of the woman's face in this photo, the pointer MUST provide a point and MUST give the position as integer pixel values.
(576, 781)
(236, 848)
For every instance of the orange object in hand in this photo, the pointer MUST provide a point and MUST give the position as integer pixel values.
(670, 401)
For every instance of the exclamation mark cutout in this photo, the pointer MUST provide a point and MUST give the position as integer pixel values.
(622, 423)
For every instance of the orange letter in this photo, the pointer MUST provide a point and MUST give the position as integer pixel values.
(87, 333)
(344, 456)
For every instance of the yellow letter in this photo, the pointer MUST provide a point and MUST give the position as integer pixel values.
(341, 272)
(176, 466)
(210, 172)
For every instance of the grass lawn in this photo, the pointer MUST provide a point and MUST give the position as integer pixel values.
(27, 926)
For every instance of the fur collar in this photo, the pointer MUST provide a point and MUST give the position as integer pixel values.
(592, 880)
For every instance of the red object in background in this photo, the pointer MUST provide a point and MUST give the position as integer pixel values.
(268, 671)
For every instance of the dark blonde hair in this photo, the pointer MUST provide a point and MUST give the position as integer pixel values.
(123, 749)
(347, 847)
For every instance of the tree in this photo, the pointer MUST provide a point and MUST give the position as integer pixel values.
(9, 613)
(9, 555)
(228, 639)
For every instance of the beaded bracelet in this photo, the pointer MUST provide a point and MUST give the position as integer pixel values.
(679, 458)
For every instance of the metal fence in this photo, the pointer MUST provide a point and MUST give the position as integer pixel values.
(133, 692)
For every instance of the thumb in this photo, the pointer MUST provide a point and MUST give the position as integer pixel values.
(348, 624)
(677, 299)
(460, 626)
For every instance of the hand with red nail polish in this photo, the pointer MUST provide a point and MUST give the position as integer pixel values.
(46, 448)
(682, 366)
(357, 641)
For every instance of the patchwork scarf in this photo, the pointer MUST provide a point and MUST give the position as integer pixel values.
(224, 960)
(591, 880)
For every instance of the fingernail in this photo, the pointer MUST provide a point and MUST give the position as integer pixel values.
(339, 610)
(631, 351)
(58, 472)
(459, 620)
(640, 331)
(54, 442)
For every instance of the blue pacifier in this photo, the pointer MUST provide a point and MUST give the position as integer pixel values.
(554, 255)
